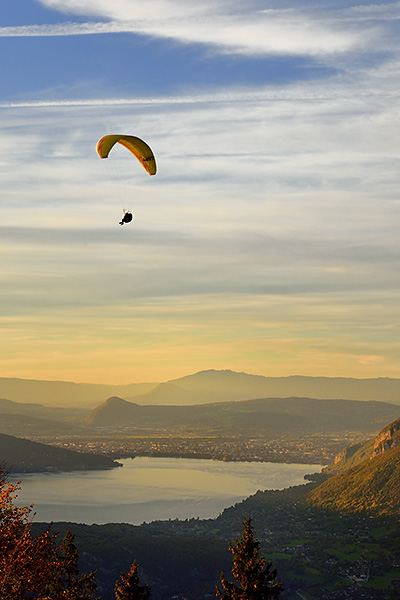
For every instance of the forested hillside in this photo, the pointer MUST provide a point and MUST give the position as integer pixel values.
(25, 456)
(371, 487)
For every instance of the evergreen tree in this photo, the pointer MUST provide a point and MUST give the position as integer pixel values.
(128, 587)
(68, 584)
(255, 579)
(26, 562)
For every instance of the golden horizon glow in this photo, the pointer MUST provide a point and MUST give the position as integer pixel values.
(268, 241)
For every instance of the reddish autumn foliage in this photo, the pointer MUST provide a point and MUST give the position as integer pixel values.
(26, 562)
(129, 588)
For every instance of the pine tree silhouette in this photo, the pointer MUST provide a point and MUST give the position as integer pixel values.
(128, 587)
(255, 579)
(68, 583)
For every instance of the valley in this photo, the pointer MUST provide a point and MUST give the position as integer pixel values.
(312, 449)
(333, 538)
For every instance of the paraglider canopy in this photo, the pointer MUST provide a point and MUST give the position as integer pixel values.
(135, 145)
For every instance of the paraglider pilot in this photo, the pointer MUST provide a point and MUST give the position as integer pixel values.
(127, 218)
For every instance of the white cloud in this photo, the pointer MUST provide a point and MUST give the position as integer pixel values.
(61, 29)
(260, 188)
(274, 215)
(225, 27)
(375, 12)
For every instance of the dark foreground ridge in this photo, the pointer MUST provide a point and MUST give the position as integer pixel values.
(25, 456)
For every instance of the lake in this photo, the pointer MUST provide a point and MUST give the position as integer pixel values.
(147, 489)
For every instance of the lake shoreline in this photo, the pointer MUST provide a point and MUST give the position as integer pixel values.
(181, 455)
(217, 458)
(153, 488)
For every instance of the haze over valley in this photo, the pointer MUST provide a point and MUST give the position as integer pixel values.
(232, 423)
(208, 386)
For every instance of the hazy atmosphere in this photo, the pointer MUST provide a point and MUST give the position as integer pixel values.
(268, 242)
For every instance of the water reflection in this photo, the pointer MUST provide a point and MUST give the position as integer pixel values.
(148, 489)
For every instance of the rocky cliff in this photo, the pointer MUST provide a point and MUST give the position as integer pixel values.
(366, 477)
(371, 487)
(388, 438)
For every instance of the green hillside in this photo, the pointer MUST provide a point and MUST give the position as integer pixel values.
(350, 456)
(387, 438)
(372, 486)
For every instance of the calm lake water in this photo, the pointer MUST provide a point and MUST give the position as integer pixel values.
(149, 489)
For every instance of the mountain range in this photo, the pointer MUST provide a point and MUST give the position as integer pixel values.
(65, 393)
(278, 416)
(269, 415)
(200, 388)
(25, 419)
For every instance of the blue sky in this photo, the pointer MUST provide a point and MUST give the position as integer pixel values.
(268, 240)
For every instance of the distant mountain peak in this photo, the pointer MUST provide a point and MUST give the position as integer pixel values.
(217, 373)
(117, 401)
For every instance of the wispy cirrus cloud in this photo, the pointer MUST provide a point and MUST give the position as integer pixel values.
(226, 28)
(270, 234)
(62, 29)
(375, 12)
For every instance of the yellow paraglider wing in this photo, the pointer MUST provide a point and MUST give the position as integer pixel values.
(138, 147)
